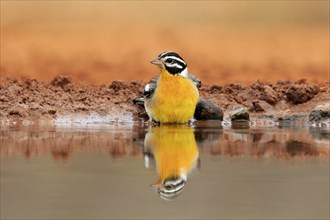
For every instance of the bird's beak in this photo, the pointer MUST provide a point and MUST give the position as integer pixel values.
(157, 62)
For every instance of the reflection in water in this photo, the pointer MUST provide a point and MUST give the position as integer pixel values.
(175, 154)
(103, 172)
(61, 143)
(265, 143)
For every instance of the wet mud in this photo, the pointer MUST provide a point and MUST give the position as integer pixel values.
(32, 99)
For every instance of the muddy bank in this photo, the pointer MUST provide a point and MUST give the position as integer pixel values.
(32, 99)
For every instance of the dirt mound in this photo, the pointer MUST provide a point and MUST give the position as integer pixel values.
(29, 98)
(270, 98)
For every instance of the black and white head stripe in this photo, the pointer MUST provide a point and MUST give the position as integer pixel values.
(171, 187)
(173, 63)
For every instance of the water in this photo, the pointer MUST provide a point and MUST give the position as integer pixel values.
(129, 171)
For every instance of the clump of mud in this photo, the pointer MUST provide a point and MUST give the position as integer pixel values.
(29, 98)
(283, 97)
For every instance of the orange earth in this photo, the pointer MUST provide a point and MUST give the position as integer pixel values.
(215, 54)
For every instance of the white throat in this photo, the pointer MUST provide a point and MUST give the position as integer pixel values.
(184, 73)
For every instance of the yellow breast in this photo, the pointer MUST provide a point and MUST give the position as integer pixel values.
(174, 100)
(175, 150)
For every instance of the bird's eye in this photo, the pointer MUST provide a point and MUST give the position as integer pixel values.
(170, 60)
(168, 187)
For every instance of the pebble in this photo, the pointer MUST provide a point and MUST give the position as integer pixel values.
(319, 113)
(239, 114)
(206, 110)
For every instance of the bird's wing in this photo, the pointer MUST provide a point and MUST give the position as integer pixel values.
(197, 82)
(150, 88)
(148, 91)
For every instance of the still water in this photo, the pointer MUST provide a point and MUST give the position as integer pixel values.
(189, 172)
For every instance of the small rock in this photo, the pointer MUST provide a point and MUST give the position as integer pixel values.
(239, 114)
(261, 106)
(206, 110)
(320, 112)
(61, 81)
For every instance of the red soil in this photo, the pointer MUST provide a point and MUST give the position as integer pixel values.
(35, 99)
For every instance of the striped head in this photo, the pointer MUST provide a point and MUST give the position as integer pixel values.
(172, 187)
(172, 62)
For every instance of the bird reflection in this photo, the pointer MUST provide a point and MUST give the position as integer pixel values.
(172, 149)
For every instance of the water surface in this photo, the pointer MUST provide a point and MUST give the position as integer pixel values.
(191, 172)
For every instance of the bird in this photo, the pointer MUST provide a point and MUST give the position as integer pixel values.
(171, 97)
(173, 150)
